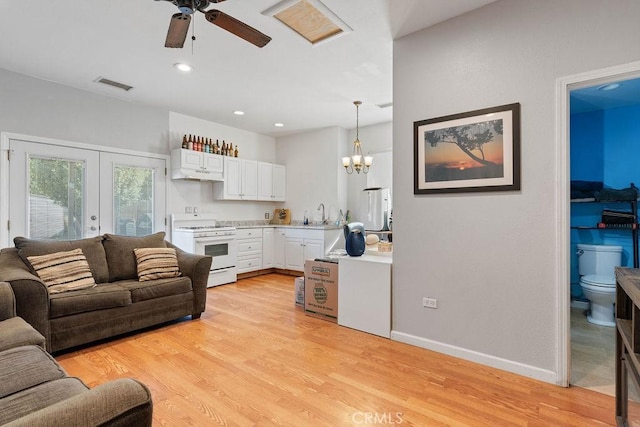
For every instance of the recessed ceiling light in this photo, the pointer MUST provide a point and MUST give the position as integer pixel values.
(238, 113)
(183, 67)
(278, 125)
(610, 86)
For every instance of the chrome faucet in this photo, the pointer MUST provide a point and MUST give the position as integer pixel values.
(324, 219)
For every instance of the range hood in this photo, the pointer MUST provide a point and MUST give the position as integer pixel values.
(196, 174)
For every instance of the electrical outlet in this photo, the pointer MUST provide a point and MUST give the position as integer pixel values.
(187, 209)
(430, 302)
(266, 215)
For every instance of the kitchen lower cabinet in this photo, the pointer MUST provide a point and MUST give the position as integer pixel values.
(268, 247)
(297, 250)
(301, 244)
(279, 237)
(249, 242)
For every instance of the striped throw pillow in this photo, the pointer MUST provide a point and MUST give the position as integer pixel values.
(63, 271)
(156, 263)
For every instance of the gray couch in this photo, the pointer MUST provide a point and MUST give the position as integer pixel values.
(118, 304)
(35, 391)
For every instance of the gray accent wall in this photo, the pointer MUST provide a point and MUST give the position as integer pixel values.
(37, 107)
(491, 259)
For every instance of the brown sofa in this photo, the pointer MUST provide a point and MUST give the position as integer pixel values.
(36, 391)
(118, 304)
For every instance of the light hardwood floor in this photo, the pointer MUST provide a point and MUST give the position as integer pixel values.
(255, 359)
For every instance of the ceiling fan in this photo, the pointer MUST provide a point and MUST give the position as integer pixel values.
(179, 24)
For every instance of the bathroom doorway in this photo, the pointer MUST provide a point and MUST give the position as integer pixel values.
(601, 120)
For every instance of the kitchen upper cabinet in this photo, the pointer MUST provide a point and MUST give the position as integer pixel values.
(240, 180)
(271, 182)
(189, 164)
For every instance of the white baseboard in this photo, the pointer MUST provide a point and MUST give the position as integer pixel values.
(474, 356)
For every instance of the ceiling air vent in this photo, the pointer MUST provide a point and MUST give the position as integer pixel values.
(385, 105)
(113, 83)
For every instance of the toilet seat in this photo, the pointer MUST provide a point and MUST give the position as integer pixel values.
(599, 280)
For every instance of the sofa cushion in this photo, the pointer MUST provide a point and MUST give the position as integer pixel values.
(91, 247)
(156, 263)
(35, 398)
(63, 271)
(25, 367)
(98, 298)
(141, 291)
(119, 253)
(15, 332)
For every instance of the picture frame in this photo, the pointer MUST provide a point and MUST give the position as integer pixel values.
(468, 152)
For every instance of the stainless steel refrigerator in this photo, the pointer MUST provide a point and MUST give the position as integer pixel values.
(375, 208)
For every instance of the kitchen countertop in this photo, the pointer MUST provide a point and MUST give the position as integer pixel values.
(248, 224)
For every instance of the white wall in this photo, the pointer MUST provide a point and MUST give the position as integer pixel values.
(314, 171)
(376, 140)
(491, 258)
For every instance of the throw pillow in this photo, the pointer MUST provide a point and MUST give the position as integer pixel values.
(120, 256)
(63, 271)
(91, 248)
(156, 263)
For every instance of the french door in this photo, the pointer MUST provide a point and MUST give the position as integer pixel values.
(59, 192)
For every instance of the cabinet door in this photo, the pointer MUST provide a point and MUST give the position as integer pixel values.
(279, 183)
(293, 254)
(249, 180)
(212, 162)
(265, 181)
(232, 179)
(268, 247)
(313, 249)
(191, 159)
(279, 249)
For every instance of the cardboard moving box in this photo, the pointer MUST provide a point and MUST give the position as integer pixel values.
(321, 289)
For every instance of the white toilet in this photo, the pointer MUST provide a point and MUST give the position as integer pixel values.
(596, 266)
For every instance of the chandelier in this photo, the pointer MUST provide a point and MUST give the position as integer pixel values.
(355, 162)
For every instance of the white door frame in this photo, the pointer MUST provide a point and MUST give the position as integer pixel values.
(563, 86)
(5, 137)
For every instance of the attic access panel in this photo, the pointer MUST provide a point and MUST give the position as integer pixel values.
(310, 19)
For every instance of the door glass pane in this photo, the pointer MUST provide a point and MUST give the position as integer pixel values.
(133, 200)
(56, 188)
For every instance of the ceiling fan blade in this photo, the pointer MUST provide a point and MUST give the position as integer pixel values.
(236, 27)
(178, 28)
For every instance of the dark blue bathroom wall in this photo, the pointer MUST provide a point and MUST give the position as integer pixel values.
(587, 146)
(604, 146)
(621, 136)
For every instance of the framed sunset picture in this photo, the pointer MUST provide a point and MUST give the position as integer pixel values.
(467, 152)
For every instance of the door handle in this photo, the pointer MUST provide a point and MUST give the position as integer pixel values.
(93, 217)
(94, 228)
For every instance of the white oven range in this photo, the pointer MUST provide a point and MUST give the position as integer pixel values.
(199, 234)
